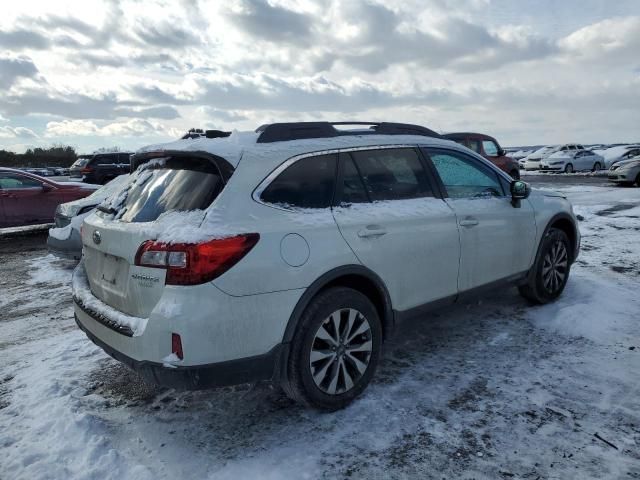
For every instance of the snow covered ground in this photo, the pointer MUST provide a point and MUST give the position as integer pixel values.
(494, 389)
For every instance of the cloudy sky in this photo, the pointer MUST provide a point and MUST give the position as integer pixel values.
(107, 73)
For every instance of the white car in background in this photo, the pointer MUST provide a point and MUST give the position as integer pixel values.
(626, 172)
(64, 239)
(619, 153)
(569, 161)
(532, 162)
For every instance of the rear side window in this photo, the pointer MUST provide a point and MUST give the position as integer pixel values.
(353, 190)
(308, 183)
(392, 174)
(123, 158)
(179, 184)
(105, 159)
(464, 177)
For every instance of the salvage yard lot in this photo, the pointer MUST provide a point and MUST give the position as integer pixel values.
(491, 389)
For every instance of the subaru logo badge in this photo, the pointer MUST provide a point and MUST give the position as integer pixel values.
(97, 238)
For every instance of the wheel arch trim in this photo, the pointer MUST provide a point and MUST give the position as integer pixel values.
(326, 279)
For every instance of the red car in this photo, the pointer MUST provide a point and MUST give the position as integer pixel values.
(489, 148)
(28, 199)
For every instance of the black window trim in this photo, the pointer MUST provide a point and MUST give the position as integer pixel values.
(273, 174)
(483, 162)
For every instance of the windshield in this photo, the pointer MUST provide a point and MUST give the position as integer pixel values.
(175, 184)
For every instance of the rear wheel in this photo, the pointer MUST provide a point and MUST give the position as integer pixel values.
(335, 350)
(550, 270)
(596, 167)
(568, 168)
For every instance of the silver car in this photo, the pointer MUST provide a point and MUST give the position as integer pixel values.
(626, 172)
(291, 253)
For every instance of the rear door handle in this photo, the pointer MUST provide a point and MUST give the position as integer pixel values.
(372, 231)
(469, 222)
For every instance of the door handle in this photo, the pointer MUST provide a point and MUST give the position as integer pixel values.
(469, 222)
(372, 231)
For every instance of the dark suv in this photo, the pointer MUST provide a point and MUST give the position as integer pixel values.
(489, 148)
(101, 167)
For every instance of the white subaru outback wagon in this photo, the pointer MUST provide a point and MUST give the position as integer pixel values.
(290, 253)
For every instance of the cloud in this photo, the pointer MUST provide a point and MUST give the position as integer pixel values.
(613, 40)
(224, 115)
(17, 132)
(13, 68)
(23, 39)
(272, 23)
(165, 34)
(135, 127)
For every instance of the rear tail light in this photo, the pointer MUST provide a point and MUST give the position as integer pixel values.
(195, 263)
(176, 346)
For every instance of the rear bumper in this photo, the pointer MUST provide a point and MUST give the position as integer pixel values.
(226, 340)
(232, 372)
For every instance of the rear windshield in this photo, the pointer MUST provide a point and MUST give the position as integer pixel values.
(81, 162)
(173, 184)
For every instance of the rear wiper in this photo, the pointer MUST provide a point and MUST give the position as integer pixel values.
(109, 210)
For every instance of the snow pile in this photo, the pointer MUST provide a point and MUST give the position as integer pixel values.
(82, 291)
(608, 317)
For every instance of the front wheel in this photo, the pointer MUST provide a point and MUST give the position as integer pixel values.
(550, 271)
(638, 180)
(596, 167)
(568, 168)
(335, 350)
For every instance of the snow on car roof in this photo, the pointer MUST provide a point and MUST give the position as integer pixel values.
(233, 147)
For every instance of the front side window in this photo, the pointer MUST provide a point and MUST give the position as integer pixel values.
(392, 174)
(490, 148)
(308, 183)
(11, 181)
(464, 177)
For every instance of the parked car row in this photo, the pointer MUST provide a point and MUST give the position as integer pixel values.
(291, 253)
(47, 171)
(569, 158)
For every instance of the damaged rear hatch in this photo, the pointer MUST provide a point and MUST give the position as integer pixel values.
(170, 191)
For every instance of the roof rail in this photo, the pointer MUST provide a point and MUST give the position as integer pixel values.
(281, 132)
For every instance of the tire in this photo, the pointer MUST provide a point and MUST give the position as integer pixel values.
(568, 168)
(638, 180)
(323, 383)
(554, 255)
(515, 174)
(596, 167)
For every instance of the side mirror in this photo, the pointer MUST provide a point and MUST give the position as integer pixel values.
(501, 152)
(519, 191)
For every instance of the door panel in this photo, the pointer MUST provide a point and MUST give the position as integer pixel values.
(411, 243)
(496, 239)
(24, 200)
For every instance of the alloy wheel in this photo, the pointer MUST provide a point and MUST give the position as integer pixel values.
(554, 267)
(341, 351)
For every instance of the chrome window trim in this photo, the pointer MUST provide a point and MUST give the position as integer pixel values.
(257, 192)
